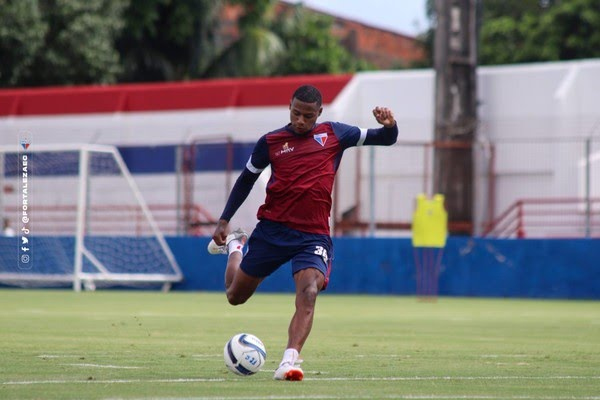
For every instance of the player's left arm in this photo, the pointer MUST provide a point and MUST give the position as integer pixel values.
(388, 134)
(350, 136)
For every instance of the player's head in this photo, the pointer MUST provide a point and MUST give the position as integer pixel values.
(305, 108)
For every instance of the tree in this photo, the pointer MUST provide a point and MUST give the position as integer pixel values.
(168, 40)
(539, 31)
(518, 31)
(68, 41)
(22, 33)
(309, 46)
(570, 30)
(257, 51)
(298, 42)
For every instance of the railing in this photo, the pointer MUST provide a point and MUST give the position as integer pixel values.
(549, 217)
(116, 219)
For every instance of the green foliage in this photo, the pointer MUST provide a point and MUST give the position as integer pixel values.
(514, 9)
(256, 53)
(297, 43)
(58, 42)
(63, 41)
(525, 31)
(256, 13)
(22, 33)
(168, 39)
(518, 31)
(310, 47)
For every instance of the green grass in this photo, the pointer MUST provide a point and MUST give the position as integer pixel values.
(115, 344)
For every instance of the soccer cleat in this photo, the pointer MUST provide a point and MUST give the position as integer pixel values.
(238, 234)
(288, 372)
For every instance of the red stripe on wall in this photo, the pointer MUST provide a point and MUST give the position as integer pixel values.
(193, 95)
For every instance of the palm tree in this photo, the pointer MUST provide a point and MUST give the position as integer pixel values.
(257, 51)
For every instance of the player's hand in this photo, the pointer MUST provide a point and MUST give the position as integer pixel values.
(384, 116)
(220, 234)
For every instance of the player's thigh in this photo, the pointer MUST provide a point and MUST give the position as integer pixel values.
(264, 256)
(243, 285)
(311, 265)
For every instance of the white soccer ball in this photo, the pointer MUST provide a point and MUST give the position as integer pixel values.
(244, 354)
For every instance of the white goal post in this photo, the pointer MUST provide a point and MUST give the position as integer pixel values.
(73, 214)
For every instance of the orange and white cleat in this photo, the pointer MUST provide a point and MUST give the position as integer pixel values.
(288, 372)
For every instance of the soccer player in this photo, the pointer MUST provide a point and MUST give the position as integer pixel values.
(294, 220)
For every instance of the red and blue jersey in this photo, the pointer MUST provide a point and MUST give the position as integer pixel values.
(303, 167)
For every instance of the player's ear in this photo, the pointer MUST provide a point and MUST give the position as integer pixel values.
(320, 111)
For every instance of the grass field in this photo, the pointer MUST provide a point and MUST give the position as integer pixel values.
(143, 345)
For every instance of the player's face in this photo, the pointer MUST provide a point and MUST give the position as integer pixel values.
(303, 116)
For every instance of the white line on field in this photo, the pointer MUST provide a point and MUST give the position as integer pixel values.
(102, 366)
(207, 355)
(506, 355)
(105, 381)
(58, 356)
(382, 356)
(454, 378)
(373, 379)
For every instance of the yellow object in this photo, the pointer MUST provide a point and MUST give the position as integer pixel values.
(430, 222)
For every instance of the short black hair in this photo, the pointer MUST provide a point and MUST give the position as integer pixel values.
(308, 94)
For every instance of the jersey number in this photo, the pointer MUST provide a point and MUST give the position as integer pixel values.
(321, 252)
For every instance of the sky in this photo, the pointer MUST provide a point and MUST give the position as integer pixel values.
(402, 16)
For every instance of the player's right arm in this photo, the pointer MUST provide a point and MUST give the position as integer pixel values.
(258, 161)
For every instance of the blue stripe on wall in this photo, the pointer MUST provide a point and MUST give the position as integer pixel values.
(545, 268)
(149, 160)
(212, 157)
(522, 268)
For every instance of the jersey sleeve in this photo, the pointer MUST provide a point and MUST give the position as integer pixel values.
(350, 136)
(257, 162)
(381, 136)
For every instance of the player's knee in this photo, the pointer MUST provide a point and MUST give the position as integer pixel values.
(235, 299)
(310, 293)
(308, 299)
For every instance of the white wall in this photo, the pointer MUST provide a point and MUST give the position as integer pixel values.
(536, 115)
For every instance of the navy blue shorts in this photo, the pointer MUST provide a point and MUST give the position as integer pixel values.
(272, 244)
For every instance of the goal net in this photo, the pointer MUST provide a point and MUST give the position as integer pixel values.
(74, 215)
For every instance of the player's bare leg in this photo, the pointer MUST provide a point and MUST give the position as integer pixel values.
(239, 286)
(308, 284)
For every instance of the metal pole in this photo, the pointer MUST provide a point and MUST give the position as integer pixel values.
(178, 189)
(371, 191)
(2, 210)
(81, 217)
(588, 198)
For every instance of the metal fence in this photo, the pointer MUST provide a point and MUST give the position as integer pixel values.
(549, 187)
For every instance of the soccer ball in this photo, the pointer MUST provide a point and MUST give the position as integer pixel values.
(244, 354)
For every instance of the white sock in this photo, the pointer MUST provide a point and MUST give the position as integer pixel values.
(289, 356)
(234, 245)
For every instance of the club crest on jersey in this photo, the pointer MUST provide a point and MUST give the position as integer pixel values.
(321, 138)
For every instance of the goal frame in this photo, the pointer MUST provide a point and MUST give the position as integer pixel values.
(79, 278)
